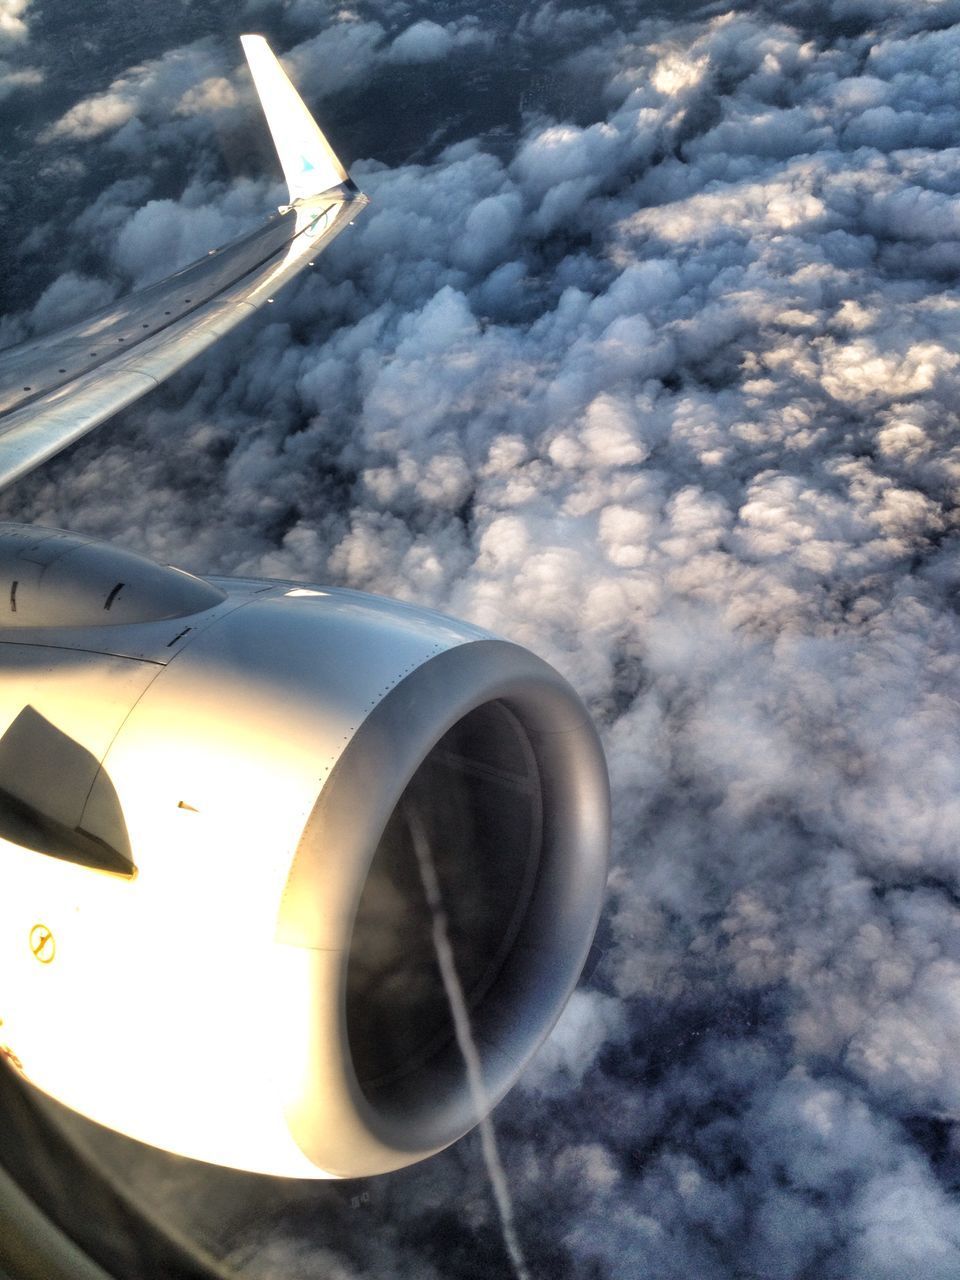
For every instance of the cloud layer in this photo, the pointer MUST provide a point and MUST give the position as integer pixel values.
(664, 386)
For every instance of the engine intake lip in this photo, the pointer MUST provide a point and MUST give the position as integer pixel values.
(349, 1129)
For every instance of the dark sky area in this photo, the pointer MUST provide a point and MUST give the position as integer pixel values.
(646, 354)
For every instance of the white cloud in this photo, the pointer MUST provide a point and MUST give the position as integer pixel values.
(13, 22)
(343, 54)
(589, 1022)
(182, 82)
(15, 78)
(424, 41)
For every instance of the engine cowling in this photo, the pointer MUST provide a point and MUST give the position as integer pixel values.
(213, 933)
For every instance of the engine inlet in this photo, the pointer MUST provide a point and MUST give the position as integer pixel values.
(489, 754)
(479, 800)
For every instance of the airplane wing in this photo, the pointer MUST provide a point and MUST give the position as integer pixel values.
(56, 388)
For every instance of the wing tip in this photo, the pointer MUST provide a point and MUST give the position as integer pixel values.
(310, 164)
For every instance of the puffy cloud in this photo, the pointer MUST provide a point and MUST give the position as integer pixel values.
(13, 23)
(589, 1022)
(164, 235)
(425, 41)
(341, 55)
(195, 80)
(14, 78)
(181, 82)
(71, 297)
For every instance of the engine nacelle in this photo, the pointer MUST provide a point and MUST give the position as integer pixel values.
(213, 933)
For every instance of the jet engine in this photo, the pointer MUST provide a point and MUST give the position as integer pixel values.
(214, 933)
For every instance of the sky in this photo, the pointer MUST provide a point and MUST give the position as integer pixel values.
(646, 354)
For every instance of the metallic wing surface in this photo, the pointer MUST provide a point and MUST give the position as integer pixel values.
(56, 388)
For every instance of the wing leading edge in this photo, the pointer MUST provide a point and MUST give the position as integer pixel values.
(56, 388)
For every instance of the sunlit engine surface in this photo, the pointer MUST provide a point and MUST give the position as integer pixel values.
(267, 756)
(479, 799)
(270, 755)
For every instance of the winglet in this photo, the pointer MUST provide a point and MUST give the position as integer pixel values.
(55, 389)
(309, 163)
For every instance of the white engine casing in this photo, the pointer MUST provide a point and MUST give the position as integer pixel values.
(243, 745)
